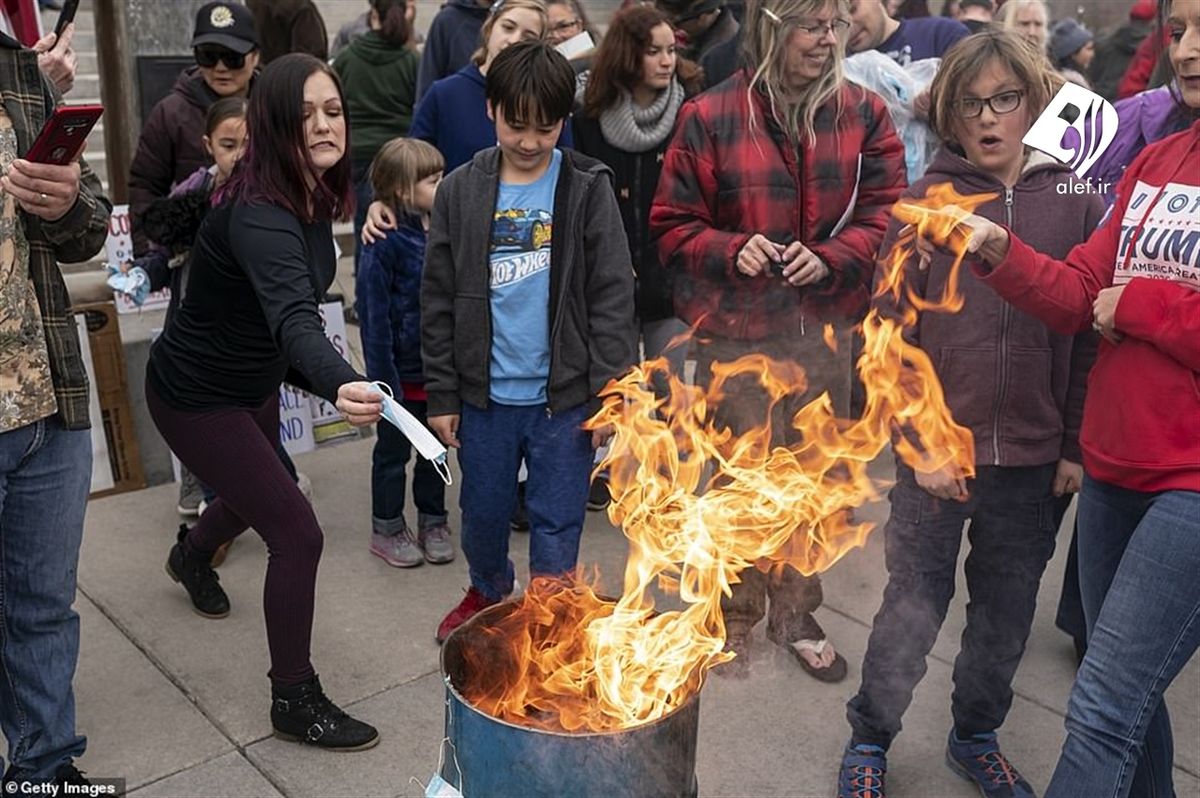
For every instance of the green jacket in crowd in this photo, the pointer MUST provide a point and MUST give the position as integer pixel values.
(380, 81)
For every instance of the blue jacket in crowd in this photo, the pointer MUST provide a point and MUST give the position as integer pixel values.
(453, 117)
(453, 37)
(388, 303)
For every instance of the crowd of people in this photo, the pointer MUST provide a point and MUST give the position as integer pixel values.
(536, 208)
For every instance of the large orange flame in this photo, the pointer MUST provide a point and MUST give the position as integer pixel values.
(699, 505)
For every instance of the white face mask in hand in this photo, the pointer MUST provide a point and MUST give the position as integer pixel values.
(425, 442)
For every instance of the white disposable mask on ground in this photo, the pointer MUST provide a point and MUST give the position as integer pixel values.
(425, 442)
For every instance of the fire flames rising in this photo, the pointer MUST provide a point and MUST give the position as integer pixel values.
(699, 505)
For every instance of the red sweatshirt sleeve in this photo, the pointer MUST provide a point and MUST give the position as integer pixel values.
(1165, 314)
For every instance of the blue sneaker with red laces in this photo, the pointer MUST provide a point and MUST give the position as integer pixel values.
(862, 773)
(979, 760)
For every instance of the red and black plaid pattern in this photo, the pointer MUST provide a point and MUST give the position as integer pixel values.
(721, 183)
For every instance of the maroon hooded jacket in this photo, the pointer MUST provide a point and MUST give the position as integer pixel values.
(1018, 386)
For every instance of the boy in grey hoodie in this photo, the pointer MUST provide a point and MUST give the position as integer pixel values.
(524, 318)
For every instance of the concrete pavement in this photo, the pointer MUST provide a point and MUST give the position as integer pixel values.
(178, 705)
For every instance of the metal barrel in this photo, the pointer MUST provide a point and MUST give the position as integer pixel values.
(485, 757)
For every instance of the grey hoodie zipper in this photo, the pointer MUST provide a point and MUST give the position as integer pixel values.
(1005, 319)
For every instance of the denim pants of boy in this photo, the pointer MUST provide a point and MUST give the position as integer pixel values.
(792, 597)
(389, 479)
(1139, 556)
(45, 474)
(558, 456)
(1011, 510)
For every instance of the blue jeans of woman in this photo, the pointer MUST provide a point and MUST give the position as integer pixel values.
(45, 473)
(1139, 556)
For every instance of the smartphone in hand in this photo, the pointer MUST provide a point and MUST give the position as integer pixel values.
(64, 134)
(65, 18)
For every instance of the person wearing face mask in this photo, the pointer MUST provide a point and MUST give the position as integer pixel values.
(765, 268)
(261, 263)
(171, 147)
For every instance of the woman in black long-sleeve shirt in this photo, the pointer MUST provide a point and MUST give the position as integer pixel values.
(263, 258)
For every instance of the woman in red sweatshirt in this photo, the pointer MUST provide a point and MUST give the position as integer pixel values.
(1137, 282)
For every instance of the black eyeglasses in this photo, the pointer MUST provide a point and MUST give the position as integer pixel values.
(207, 56)
(566, 25)
(1003, 103)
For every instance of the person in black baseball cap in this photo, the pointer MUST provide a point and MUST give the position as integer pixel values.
(171, 147)
(226, 47)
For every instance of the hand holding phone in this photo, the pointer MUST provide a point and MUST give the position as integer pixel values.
(47, 191)
(56, 59)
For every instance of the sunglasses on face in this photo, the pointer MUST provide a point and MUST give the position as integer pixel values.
(208, 56)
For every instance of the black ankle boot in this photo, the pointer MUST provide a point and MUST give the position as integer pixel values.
(303, 714)
(198, 578)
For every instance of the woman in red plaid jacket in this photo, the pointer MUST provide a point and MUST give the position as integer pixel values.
(773, 201)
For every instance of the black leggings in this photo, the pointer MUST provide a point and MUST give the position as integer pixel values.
(232, 449)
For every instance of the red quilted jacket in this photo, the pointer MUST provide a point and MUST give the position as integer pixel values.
(721, 183)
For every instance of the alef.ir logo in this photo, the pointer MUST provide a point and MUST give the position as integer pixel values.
(1076, 128)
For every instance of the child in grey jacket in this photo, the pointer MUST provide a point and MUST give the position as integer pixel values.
(526, 313)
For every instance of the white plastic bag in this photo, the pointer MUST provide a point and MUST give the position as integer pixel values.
(899, 86)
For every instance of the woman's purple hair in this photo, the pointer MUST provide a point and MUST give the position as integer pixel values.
(276, 161)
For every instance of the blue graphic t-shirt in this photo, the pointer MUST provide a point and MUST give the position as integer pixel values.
(520, 288)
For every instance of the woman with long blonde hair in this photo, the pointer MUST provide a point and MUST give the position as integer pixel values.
(816, 165)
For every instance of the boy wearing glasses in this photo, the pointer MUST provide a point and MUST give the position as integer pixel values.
(171, 145)
(1019, 388)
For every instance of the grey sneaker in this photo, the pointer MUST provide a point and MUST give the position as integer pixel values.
(399, 550)
(436, 543)
(190, 495)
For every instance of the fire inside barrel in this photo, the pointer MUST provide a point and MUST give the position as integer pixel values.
(700, 504)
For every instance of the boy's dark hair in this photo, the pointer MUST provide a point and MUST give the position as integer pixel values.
(531, 83)
(222, 109)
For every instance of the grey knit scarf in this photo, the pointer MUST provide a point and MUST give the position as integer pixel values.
(635, 129)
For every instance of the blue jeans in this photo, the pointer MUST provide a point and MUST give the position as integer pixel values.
(558, 455)
(389, 478)
(1012, 532)
(1139, 556)
(45, 474)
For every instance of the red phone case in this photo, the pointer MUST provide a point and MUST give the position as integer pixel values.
(63, 136)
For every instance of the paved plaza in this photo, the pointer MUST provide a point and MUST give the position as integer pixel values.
(178, 705)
